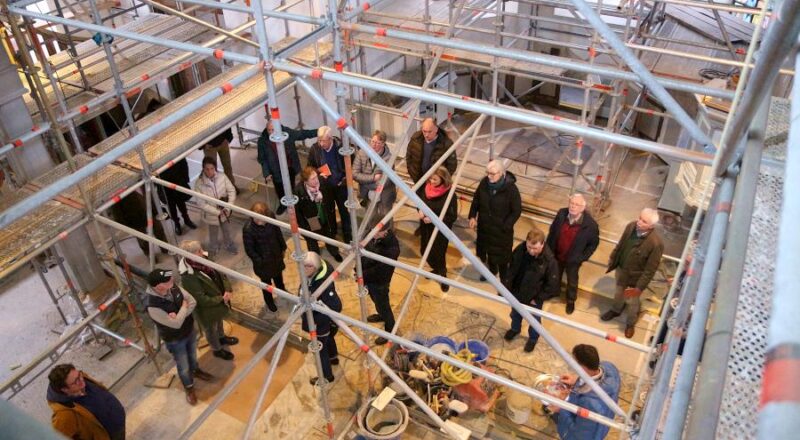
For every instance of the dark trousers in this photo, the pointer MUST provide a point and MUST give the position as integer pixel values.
(516, 322)
(158, 231)
(313, 245)
(277, 281)
(572, 279)
(329, 351)
(333, 199)
(380, 297)
(175, 203)
(279, 184)
(495, 264)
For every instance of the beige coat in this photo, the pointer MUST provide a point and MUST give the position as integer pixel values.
(218, 187)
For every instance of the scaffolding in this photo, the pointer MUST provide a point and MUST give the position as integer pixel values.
(153, 48)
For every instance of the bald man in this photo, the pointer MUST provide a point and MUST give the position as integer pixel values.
(573, 238)
(426, 147)
(635, 259)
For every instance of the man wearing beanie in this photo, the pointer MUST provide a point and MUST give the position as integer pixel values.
(170, 307)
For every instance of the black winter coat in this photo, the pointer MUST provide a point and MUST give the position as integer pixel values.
(586, 240)
(268, 158)
(316, 158)
(131, 211)
(329, 297)
(436, 258)
(497, 215)
(375, 272)
(264, 244)
(540, 281)
(414, 154)
(179, 175)
(306, 208)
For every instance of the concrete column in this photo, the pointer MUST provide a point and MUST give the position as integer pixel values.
(32, 159)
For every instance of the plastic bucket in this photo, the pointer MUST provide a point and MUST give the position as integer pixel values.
(518, 407)
(478, 348)
(388, 424)
(442, 344)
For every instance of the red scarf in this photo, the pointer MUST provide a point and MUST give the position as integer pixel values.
(432, 192)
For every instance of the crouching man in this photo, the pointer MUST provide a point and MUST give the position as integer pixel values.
(570, 425)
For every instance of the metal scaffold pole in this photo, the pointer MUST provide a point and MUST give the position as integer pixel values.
(465, 251)
(290, 200)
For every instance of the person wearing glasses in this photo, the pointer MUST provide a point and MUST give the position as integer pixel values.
(367, 173)
(495, 209)
(82, 407)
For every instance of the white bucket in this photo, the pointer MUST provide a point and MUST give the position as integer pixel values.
(518, 407)
(388, 424)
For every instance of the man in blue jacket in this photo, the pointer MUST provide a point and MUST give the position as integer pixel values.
(570, 425)
(268, 158)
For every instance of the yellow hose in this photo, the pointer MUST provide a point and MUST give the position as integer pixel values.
(451, 375)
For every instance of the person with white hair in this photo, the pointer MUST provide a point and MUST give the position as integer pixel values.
(635, 260)
(324, 156)
(496, 207)
(317, 271)
(573, 238)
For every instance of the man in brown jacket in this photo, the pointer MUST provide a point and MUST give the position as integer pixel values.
(82, 408)
(635, 259)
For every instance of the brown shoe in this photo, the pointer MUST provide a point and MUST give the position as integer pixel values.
(629, 331)
(191, 397)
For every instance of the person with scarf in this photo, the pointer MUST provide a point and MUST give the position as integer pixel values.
(265, 245)
(216, 185)
(311, 212)
(212, 291)
(317, 271)
(268, 158)
(495, 209)
(434, 194)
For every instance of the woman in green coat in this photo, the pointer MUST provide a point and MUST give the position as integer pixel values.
(212, 291)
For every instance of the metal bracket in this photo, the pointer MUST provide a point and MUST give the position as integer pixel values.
(277, 139)
(315, 346)
(289, 200)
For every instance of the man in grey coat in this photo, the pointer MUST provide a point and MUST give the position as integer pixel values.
(368, 174)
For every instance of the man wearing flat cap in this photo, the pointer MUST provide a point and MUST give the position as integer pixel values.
(170, 307)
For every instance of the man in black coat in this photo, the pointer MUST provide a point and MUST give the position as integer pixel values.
(268, 158)
(378, 276)
(325, 158)
(176, 200)
(495, 209)
(635, 259)
(573, 238)
(532, 280)
(131, 211)
(426, 147)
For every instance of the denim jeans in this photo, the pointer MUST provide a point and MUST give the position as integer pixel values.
(184, 351)
(516, 322)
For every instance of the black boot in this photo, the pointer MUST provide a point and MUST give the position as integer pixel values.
(189, 223)
(178, 230)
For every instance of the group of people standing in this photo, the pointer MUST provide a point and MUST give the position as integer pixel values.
(532, 271)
